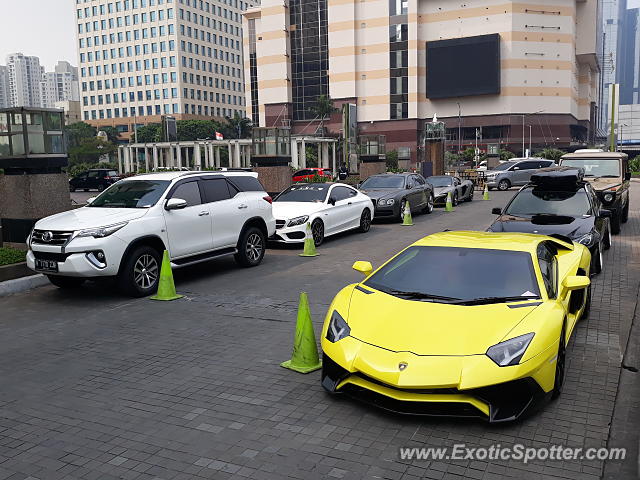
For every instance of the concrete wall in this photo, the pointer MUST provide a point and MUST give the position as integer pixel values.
(34, 196)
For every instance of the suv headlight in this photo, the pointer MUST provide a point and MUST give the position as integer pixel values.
(585, 239)
(338, 328)
(511, 351)
(100, 232)
(298, 221)
(608, 197)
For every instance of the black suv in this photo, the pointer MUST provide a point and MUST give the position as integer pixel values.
(559, 201)
(96, 178)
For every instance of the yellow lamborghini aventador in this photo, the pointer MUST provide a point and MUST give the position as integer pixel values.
(459, 324)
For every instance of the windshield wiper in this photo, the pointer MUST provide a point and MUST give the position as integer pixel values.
(488, 300)
(420, 295)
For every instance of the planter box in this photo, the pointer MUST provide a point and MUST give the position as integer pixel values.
(15, 270)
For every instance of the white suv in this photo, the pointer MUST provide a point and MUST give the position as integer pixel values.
(122, 233)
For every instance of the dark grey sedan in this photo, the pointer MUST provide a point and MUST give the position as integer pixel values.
(390, 192)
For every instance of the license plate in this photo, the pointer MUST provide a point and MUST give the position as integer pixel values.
(46, 265)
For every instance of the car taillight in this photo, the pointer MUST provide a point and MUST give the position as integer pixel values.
(268, 199)
(107, 178)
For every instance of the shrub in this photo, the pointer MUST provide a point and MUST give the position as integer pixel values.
(9, 256)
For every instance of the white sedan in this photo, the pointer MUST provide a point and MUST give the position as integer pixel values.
(329, 208)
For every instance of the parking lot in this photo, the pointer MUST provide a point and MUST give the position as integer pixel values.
(97, 386)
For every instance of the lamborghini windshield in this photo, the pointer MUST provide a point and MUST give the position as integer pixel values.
(458, 275)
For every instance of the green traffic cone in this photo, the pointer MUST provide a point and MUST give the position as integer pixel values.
(406, 218)
(485, 194)
(305, 350)
(449, 205)
(309, 244)
(166, 287)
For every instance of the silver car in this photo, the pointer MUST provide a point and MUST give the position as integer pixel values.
(515, 172)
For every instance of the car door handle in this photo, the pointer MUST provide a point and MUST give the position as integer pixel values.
(242, 206)
(350, 203)
(203, 214)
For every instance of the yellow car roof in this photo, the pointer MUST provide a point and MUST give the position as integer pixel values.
(524, 242)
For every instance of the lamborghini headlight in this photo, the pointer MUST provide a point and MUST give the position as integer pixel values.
(298, 221)
(585, 239)
(338, 328)
(510, 351)
(100, 232)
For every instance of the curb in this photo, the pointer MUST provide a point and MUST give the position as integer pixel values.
(23, 284)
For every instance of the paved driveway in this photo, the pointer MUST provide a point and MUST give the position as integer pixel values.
(96, 386)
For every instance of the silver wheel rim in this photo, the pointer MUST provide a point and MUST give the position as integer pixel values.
(145, 271)
(254, 247)
(365, 221)
(317, 232)
(430, 204)
(503, 185)
(600, 256)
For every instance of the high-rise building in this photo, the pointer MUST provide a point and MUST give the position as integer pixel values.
(61, 85)
(628, 56)
(5, 101)
(506, 67)
(140, 59)
(608, 56)
(25, 74)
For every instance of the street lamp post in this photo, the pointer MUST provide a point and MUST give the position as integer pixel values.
(529, 140)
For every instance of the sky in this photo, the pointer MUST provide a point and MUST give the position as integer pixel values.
(41, 28)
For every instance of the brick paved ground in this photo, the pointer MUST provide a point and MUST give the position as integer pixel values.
(94, 386)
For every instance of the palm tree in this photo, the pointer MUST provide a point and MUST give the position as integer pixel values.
(323, 109)
(237, 126)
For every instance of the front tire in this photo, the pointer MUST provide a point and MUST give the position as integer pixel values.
(454, 201)
(66, 283)
(101, 188)
(403, 204)
(596, 260)
(470, 196)
(317, 230)
(72, 188)
(606, 242)
(365, 221)
(140, 272)
(616, 220)
(429, 207)
(251, 247)
(504, 185)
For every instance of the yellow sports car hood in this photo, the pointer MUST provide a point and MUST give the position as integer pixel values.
(426, 328)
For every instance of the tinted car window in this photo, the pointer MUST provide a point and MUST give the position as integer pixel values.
(440, 181)
(504, 166)
(309, 192)
(112, 173)
(419, 179)
(463, 273)
(131, 194)
(548, 268)
(383, 181)
(301, 173)
(528, 165)
(94, 174)
(188, 191)
(342, 193)
(531, 201)
(247, 184)
(215, 189)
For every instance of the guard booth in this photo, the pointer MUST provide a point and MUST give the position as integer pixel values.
(271, 156)
(434, 147)
(33, 153)
(373, 155)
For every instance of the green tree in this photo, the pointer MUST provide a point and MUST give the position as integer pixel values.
(551, 154)
(506, 155)
(323, 109)
(189, 130)
(392, 161)
(90, 150)
(311, 154)
(236, 127)
(112, 133)
(149, 133)
(634, 164)
(79, 131)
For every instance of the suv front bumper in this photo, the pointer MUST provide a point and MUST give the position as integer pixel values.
(74, 259)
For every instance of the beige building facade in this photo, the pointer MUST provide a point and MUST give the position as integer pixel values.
(376, 56)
